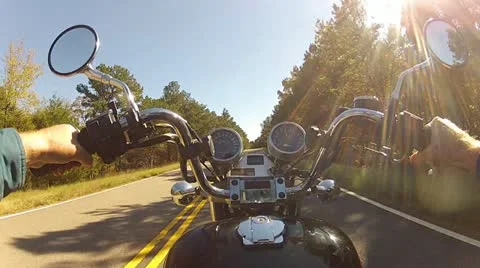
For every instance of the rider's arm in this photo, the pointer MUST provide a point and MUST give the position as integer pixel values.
(53, 145)
(450, 147)
(471, 159)
(12, 161)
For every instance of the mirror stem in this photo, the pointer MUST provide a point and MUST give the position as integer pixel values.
(96, 75)
(398, 87)
(394, 99)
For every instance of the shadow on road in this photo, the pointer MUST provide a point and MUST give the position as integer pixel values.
(386, 240)
(382, 238)
(132, 226)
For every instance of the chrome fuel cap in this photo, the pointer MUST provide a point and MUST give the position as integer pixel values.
(261, 230)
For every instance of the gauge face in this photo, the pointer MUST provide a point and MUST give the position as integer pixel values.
(288, 137)
(286, 140)
(227, 143)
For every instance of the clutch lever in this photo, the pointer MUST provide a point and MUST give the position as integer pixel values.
(413, 133)
(168, 137)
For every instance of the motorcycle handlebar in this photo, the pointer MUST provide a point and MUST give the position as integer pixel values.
(322, 162)
(184, 134)
(185, 138)
(181, 129)
(333, 134)
(330, 141)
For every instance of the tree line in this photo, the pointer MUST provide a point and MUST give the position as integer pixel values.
(351, 56)
(23, 109)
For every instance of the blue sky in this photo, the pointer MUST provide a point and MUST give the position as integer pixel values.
(231, 54)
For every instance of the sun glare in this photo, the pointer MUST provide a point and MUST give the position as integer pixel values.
(384, 11)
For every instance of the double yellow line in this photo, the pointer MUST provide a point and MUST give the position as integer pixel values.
(160, 256)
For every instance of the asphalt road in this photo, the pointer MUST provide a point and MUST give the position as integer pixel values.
(111, 228)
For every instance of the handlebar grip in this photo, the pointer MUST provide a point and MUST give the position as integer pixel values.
(84, 141)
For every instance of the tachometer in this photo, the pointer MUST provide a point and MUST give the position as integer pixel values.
(228, 145)
(286, 141)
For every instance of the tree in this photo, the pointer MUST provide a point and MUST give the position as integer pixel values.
(226, 120)
(80, 110)
(17, 99)
(464, 13)
(347, 59)
(95, 95)
(333, 71)
(56, 111)
(452, 93)
(198, 115)
(266, 126)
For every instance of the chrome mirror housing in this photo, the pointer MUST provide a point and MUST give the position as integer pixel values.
(445, 43)
(183, 193)
(73, 52)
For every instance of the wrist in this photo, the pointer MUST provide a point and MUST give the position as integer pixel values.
(470, 157)
(36, 148)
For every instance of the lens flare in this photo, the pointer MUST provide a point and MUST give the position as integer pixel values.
(385, 12)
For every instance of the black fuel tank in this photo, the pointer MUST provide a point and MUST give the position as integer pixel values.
(307, 243)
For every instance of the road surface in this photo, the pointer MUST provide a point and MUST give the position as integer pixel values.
(111, 228)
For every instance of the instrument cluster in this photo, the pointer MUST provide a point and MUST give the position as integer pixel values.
(227, 145)
(286, 141)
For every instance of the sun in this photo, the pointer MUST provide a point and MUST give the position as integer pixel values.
(385, 12)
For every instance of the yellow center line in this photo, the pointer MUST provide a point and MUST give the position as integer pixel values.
(151, 245)
(166, 248)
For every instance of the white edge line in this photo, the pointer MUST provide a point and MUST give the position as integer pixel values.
(434, 227)
(81, 197)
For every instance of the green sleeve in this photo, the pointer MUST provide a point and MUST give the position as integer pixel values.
(12, 161)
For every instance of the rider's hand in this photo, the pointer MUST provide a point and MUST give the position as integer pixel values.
(450, 147)
(54, 145)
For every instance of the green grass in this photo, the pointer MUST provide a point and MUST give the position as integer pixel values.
(23, 200)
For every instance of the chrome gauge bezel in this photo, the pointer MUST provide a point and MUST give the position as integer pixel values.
(237, 154)
(281, 154)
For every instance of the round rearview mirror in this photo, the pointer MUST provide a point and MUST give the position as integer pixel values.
(73, 50)
(445, 43)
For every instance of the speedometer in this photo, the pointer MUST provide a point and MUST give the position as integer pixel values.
(286, 140)
(228, 145)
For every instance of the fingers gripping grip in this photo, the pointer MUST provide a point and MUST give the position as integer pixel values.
(412, 133)
(84, 141)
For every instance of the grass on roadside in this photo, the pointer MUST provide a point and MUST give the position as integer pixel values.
(23, 200)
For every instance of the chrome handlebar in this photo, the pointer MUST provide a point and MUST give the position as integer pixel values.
(331, 138)
(180, 127)
(324, 157)
(96, 75)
